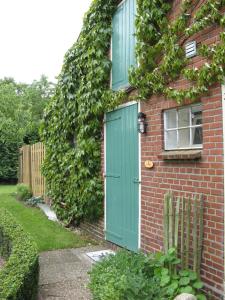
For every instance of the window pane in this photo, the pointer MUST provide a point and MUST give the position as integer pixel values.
(196, 115)
(184, 138)
(184, 117)
(197, 136)
(171, 120)
(171, 139)
(183, 127)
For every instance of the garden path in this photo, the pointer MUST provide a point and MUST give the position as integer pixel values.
(64, 274)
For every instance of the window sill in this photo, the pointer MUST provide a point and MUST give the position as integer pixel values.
(181, 154)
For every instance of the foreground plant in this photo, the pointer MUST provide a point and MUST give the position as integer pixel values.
(19, 276)
(23, 192)
(139, 277)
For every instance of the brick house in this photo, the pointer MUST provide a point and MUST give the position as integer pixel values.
(182, 150)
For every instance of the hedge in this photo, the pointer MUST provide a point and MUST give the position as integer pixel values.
(9, 153)
(19, 276)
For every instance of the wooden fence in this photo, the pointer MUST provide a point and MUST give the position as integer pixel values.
(31, 159)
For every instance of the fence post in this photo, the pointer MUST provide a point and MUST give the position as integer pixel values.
(20, 171)
(29, 166)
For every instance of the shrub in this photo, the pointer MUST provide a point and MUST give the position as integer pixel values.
(9, 148)
(9, 161)
(34, 201)
(19, 276)
(139, 277)
(23, 192)
(123, 276)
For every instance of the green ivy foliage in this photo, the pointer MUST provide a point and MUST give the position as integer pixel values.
(72, 124)
(73, 120)
(161, 56)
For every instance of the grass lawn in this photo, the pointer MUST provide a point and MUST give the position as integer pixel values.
(47, 234)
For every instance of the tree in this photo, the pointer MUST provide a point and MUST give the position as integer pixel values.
(21, 110)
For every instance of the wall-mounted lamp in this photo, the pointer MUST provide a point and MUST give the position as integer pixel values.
(142, 125)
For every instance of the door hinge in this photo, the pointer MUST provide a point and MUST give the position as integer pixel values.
(136, 180)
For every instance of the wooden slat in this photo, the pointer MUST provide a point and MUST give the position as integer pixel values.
(31, 159)
(25, 165)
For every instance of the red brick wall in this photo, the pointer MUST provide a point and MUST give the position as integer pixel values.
(95, 230)
(185, 177)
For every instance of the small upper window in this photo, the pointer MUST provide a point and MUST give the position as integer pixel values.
(183, 128)
(123, 44)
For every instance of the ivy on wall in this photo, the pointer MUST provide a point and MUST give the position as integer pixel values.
(73, 121)
(161, 56)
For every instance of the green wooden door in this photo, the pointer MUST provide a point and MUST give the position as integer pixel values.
(122, 177)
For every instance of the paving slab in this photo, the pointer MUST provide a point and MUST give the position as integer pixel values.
(64, 274)
(48, 211)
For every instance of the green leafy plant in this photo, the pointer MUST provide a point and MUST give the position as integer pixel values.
(162, 43)
(34, 201)
(19, 276)
(23, 192)
(124, 276)
(9, 150)
(73, 121)
(21, 110)
(137, 276)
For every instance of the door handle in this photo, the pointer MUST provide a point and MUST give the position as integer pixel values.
(136, 180)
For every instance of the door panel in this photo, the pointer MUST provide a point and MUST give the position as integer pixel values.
(113, 176)
(122, 182)
(123, 43)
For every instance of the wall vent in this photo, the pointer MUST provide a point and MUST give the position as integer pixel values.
(191, 49)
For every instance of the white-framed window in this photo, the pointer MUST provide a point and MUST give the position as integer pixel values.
(183, 127)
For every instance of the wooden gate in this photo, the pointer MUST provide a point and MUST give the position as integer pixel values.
(31, 159)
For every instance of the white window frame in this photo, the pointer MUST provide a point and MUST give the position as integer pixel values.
(190, 127)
